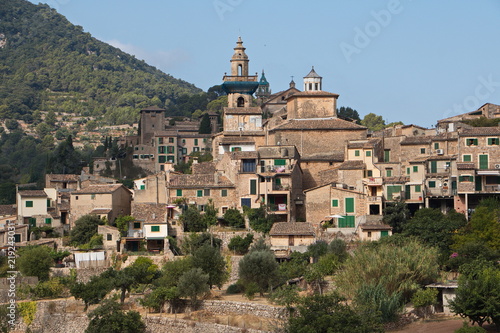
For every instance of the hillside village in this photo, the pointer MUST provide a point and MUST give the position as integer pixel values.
(319, 176)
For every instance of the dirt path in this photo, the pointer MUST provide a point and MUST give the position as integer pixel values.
(437, 325)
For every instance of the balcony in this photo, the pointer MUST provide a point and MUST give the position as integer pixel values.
(375, 199)
(276, 168)
(492, 188)
(373, 181)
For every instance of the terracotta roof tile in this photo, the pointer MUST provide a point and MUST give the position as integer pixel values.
(416, 140)
(319, 124)
(292, 228)
(149, 212)
(204, 168)
(465, 166)
(7, 210)
(352, 165)
(32, 193)
(480, 131)
(106, 188)
(201, 180)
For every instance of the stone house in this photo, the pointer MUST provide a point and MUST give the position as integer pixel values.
(287, 237)
(108, 201)
(19, 232)
(373, 232)
(111, 237)
(62, 181)
(37, 208)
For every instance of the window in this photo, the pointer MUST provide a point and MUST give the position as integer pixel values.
(92, 196)
(483, 162)
(171, 158)
(17, 238)
(471, 142)
(493, 141)
(206, 192)
(368, 153)
(179, 193)
(369, 173)
(335, 202)
(32, 222)
(195, 149)
(170, 140)
(199, 193)
(223, 193)
(407, 171)
(433, 166)
(388, 172)
(143, 187)
(170, 149)
(155, 228)
(422, 150)
(48, 220)
(48, 202)
(349, 205)
(436, 145)
(248, 165)
(235, 148)
(137, 225)
(369, 234)
(415, 168)
(161, 149)
(253, 186)
(467, 158)
(356, 153)
(418, 188)
(466, 178)
(387, 155)
(29, 203)
(109, 237)
(162, 159)
(347, 222)
(391, 190)
(279, 162)
(195, 142)
(160, 141)
(432, 184)
(183, 141)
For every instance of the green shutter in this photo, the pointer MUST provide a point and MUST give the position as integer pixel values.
(195, 142)
(335, 203)
(137, 225)
(48, 202)
(368, 153)
(415, 168)
(279, 162)
(436, 145)
(388, 172)
(223, 193)
(48, 220)
(433, 166)
(29, 203)
(384, 233)
(155, 228)
(417, 188)
(179, 193)
(32, 222)
(162, 159)
(277, 181)
(467, 158)
(407, 192)
(483, 162)
(356, 153)
(478, 184)
(253, 186)
(387, 155)
(432, 183)
(349, 205)
(347, 222)
(407, 171)
(391, 189)
(199, 193)
(143, 187)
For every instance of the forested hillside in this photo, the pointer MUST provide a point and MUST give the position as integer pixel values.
(48, 64)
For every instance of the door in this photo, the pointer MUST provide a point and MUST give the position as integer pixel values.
(483, 162)
(291, 240)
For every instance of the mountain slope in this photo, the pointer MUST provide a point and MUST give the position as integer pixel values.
(47, 63)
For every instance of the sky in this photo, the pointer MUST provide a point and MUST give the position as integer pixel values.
(414, 61)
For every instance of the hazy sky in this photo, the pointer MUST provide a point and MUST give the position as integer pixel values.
(411, 60)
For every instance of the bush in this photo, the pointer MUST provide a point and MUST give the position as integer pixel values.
(235, 288)
(239, 244)
(375, 297)
(234, 218)
(250, 290)
(423, 299)
(52, 288)
(468, 329)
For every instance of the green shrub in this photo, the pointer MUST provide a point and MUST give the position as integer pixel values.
(235, 288)
(468, 329)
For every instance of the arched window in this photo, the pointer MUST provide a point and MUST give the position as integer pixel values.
(240, 70)
(240, 102)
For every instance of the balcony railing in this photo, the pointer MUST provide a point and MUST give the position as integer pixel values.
(373, 181)
(491, 188)
(375, 199)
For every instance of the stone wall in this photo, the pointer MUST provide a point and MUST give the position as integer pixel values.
(66, 315)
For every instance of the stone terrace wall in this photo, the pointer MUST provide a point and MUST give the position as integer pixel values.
(66, 315)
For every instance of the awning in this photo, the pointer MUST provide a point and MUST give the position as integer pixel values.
(488, 172)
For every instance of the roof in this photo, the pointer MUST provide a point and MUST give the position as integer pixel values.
(312, 73)
(315, 93)
(32, 193)
(199, 181)
(153, 108)
(100, 189)
(7, 210)
(416, 140)
(62, 178)
(396, 180)
(150, 213)
(204, 168)
(233, 140)
(480, 131)
(238, 155)
(363, 144)
(101, 211)
(330, 123)
(334, 156)
(375, 227)
(352, 165)
(292, 228)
